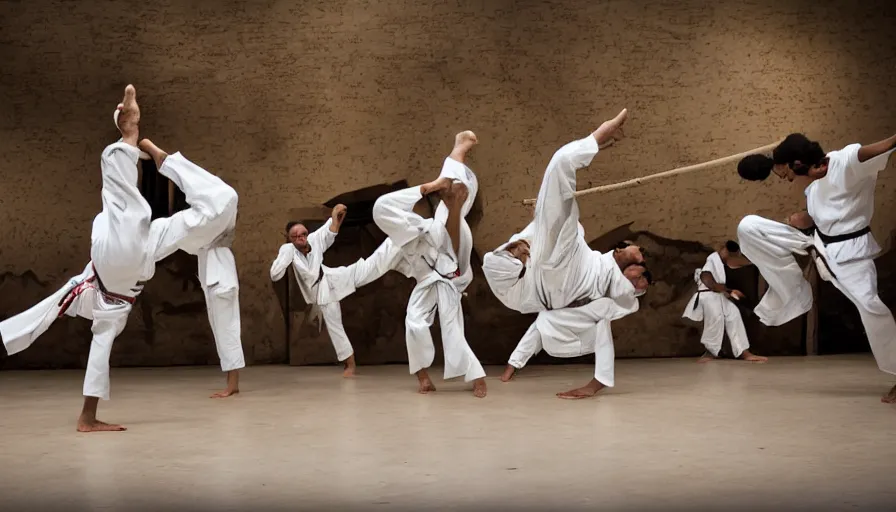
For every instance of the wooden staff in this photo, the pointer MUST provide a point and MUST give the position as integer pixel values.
(674, 172)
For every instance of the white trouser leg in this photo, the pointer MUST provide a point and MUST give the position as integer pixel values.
(858, 282)
(734, 326)
(332, 314)
(529, 345)
(118, 237)
(421, 313)
(556, 210)
(213, 208)
(770, 246)
(459, 357)
(223, 305)
(604, 354)
(713, 322)
(109, 320)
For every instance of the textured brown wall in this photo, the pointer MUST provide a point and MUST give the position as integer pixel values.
(295, 102)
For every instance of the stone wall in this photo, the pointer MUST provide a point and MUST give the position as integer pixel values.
(294, 103)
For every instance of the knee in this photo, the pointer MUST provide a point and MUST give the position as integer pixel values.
(748, 228)
(229, 200)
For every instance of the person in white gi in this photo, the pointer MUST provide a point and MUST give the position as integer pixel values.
(206, 229)
(839, 188)
(322, 286)
(549, 266)
(435, 252)
(712, 305)
(125, 245)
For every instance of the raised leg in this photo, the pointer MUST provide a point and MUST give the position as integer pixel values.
(770, 246)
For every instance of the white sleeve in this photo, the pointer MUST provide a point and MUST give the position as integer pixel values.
(283, 261)
(322, 238)
(854, 170)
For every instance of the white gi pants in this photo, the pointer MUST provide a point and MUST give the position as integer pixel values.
(720, 315)
(770, 246)
(419, 237)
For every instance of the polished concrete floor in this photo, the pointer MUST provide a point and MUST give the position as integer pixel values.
(794, 434)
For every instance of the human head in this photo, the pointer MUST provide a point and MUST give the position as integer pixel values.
(297, 234)
(627, 253)
(639, 276)
(795, 156)
(731, 248)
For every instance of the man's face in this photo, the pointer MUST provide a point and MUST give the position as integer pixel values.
(298, 235)
(635, 275)
(519, 250)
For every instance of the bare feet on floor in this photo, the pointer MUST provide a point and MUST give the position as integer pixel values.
(586, 391)
(611, 131)
(426, 385)
(753, 358)
(152, 150)
(350, 369)
(889, 398)
(706, 357)
(479, 388)
(508, 374)
(95, 425)
(129, 116)
(463, 142)
(233, 385)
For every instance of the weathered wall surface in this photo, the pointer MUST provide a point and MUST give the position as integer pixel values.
(294, 103)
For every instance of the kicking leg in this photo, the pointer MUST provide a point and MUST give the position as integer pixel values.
(770, 246)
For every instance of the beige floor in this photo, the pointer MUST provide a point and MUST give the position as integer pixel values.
(795, 434)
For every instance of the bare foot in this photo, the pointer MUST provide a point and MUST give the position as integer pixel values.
(426, 385)
(435, 186)
(88, 425)
(611, 131)
(753, 358)
(479, 389)
(157, 154)
(586, 391)
(224, 394)
(706, 357)
(889, 398)
(508, 374)
(350, 369)
(463, 142)
(128, 116)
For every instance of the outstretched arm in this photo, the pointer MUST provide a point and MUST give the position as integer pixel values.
(878, 148)
(283, 261)
(338, 215)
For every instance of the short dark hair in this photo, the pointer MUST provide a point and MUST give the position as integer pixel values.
(732, 246)
(291, 224)
(755, 167)
(796, 147)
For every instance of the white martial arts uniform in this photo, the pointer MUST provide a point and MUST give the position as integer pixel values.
(840, 203)
(574, 332)
(428, 256)
(718, 314)
(206, 230)
(119, 228)
(561, 268)
(324, 286)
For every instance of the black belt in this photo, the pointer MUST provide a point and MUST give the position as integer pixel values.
(320, 275)
(450, 276)
(574, 304)
(697, 300)
(827, 239)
